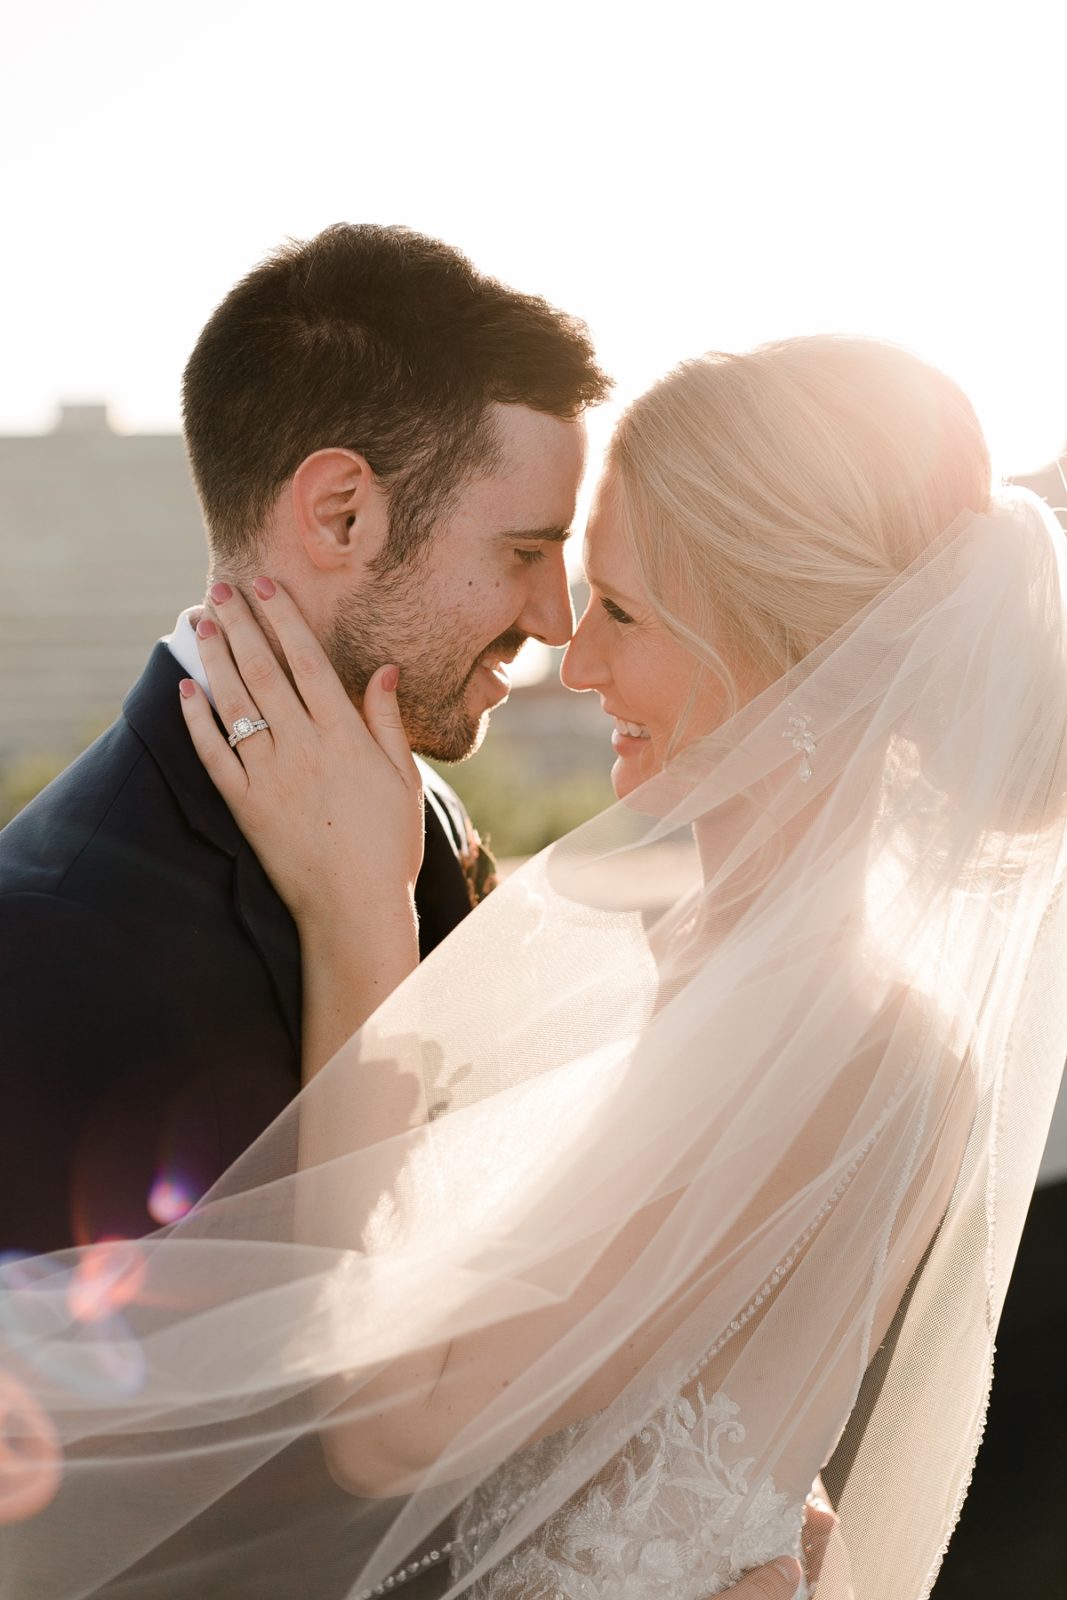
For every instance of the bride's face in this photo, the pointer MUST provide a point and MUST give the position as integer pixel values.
(643, 675)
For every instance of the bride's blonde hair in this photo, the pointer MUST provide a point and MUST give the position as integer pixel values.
(769, 496)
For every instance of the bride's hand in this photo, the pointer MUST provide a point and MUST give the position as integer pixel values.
(330, 800)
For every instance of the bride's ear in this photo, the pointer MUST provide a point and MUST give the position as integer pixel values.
(339, 510)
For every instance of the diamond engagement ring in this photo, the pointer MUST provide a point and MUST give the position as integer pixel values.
(244, 728)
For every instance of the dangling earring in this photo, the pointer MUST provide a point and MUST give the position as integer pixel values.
(798, 731)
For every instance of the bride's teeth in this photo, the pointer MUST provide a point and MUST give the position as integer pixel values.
(633, 729)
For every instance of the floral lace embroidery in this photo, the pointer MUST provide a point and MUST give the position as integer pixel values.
(672, 1517)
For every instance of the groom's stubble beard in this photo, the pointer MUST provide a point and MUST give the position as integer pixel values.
(384, 623)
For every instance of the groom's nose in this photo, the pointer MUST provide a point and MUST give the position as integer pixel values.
(548, 614)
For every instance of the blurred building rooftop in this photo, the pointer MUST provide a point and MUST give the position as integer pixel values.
(101, 545)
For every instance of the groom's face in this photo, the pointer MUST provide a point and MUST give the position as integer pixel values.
(491, 577)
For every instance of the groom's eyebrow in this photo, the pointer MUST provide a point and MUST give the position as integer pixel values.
(555, 535)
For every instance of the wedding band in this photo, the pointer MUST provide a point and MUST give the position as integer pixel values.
(244, 728)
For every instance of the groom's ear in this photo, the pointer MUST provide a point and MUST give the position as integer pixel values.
(340, 512)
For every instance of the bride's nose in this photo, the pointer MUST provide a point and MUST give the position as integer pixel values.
(583, 665)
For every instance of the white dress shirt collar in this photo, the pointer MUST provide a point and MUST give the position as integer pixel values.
(183, 647)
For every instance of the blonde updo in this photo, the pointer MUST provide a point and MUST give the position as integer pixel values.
(769, 496)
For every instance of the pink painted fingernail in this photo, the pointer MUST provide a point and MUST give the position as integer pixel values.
(390, 679)
(187, 688)
(220, 593)
(206, 629)
(264, 588)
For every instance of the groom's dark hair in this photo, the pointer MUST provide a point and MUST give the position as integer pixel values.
(378, 340)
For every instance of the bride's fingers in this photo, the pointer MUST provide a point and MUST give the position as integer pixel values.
(320, 688)
(382, 715)
(220, 762)
(257, 668)
(232, 698)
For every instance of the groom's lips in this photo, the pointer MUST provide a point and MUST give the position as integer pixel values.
(491, 668)
(495, 672)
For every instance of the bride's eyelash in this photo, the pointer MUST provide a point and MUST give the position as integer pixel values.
(615, 611)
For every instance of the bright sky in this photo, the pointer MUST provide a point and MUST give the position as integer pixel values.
(683, 175)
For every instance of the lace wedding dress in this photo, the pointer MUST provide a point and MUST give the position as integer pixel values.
(649, 1527)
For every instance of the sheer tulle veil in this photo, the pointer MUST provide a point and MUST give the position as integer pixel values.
(586, 1157)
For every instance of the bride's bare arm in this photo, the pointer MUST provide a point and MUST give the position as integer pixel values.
(346, 976)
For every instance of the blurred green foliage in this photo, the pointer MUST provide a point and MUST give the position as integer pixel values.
(517, 807)
(23, 777)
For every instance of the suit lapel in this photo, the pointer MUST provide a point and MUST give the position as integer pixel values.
(151, 708)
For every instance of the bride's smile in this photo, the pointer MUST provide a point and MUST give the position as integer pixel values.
(656, 694)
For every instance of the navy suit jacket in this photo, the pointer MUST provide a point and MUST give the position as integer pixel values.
(149, 981)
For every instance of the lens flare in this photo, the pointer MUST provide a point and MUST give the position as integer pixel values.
(31, 1460)
(170, 1199)
(63, 1318)
(108, 1276)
